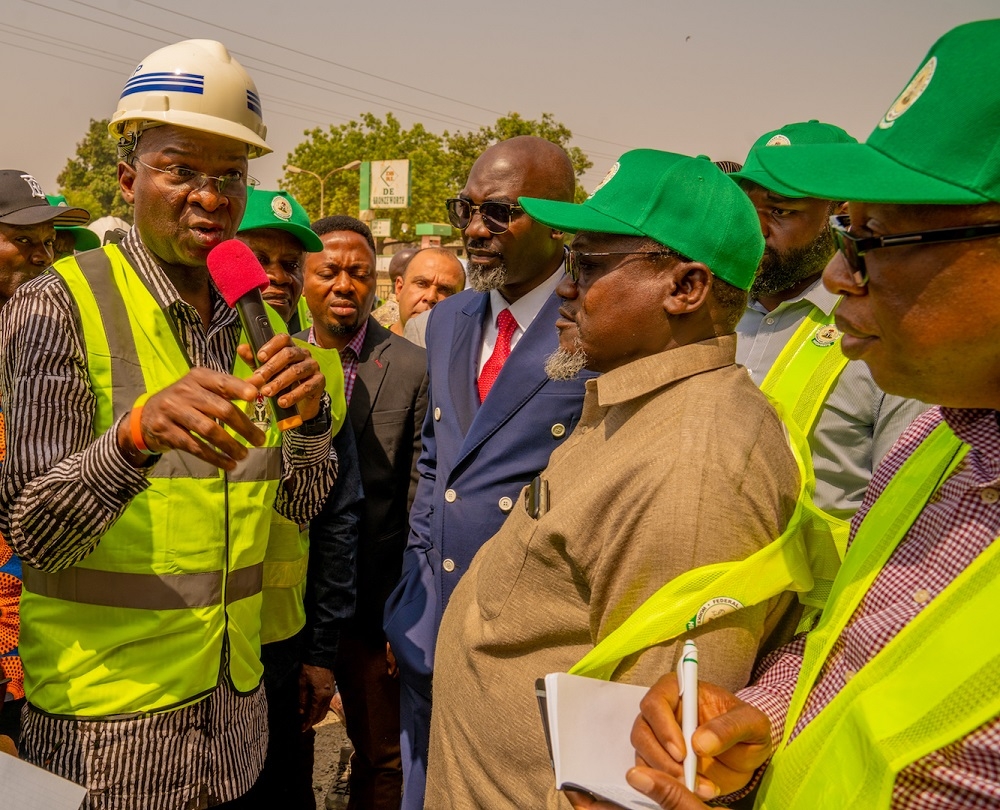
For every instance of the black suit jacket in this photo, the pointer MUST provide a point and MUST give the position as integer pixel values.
(387, 411)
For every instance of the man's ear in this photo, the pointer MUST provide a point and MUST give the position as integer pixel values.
(126, 180)
(557, 234)
(399, 284)
(688, 287)
(840, 208)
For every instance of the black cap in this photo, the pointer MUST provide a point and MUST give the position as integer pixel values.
(22, 202)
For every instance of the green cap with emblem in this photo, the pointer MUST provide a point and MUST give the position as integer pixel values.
(687, 204)
(83, 238)
(801, 133)
(279, 209)
(937, 144)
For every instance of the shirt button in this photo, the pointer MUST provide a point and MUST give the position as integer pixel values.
(450, 495)
(437, 414)
(849, 674)
(448, 564)
(506, 504)
(558, 430)
(989, 495)
(769, 321)
(922, 596)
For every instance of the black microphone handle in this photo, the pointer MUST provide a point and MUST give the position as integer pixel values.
(255, 323)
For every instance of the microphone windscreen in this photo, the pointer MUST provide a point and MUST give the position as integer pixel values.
(235, 270)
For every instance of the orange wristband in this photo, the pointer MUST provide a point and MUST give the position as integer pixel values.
(135, 427)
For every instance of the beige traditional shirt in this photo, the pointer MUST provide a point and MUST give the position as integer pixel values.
(677, 462)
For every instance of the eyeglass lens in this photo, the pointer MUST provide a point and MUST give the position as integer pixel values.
(496, 215)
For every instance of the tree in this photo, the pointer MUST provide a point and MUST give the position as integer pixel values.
(465, 147)
(90, 180)
(439, 164)
(371, 138)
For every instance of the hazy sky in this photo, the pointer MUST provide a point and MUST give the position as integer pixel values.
(702, 76)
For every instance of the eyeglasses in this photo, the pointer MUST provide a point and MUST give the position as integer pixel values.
(854, 248)
(496, 215)
(573, 257)
(183, 177)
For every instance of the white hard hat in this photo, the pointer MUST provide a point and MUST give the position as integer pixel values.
(194, 84)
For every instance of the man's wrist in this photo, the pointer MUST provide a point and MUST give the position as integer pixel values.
(321, 422)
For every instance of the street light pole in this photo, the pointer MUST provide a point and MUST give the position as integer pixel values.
(322, 180)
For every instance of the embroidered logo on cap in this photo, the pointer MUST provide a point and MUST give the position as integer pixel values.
(913, 91)
(282, 208)
(779, 140)
(607, 179)
(36, 189)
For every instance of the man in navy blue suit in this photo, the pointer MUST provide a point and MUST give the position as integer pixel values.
(493, 416)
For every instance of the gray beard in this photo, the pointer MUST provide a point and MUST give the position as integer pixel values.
(564, 365)
(486, 280)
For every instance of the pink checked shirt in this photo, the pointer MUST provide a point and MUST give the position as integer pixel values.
(958, 523)
(348, 357)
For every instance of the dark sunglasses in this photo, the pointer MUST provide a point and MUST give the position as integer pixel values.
(496, 215)
(854, 248)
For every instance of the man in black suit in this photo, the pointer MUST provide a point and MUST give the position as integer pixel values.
(385, 382)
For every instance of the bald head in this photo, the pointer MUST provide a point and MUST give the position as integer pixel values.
(401, 258)
(533, 162)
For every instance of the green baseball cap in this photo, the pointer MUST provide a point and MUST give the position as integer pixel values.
(687, 204)
(803, 132)
(83, 238)
(937, 144)
(279, 209)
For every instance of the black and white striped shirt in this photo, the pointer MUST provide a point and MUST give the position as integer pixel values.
(60, 490)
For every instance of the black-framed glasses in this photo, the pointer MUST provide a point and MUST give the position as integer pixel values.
(575, 271)
(181, 176)
(854, 247)
(496, 215)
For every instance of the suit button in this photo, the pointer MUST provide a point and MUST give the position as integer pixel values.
(558, 430)
(506, 504)
(450, 495)
(448, 564)
(437, 414)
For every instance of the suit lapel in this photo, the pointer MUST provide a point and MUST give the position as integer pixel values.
(520, 378)
(372, 368)
(466, 346)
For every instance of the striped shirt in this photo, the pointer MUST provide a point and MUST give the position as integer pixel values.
(60, 490)
(952, 530)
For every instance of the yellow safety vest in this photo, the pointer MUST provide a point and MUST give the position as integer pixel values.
(805, 558)
(286, 562)
(934, 683)
(168, 602)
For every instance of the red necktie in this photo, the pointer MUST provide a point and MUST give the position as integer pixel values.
(501, 351)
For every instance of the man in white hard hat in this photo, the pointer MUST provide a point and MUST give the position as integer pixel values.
(136, 488)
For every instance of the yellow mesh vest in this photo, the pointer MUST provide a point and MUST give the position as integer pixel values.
(935, 682)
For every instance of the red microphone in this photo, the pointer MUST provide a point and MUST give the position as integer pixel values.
(240, 279)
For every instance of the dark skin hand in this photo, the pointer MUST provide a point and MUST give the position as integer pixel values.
(732, 741)
(316, 688)
(190, 415)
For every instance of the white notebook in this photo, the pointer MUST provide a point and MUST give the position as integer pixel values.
(587, 727)
(26, 787)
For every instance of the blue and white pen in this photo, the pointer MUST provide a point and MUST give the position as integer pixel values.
(687, 679)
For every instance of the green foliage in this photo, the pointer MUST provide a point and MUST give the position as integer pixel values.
(90, 180)
(439, 164)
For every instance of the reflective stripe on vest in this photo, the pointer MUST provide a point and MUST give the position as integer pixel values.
(931, 685)
(286, 562)
(168, 601)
